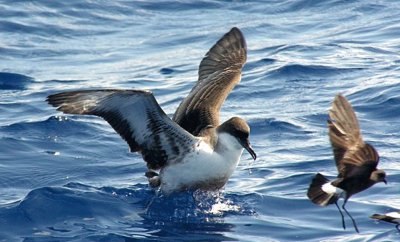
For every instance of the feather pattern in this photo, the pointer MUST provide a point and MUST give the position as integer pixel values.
(136, 116)
(219, 72)
(350, 151)
(356, 161)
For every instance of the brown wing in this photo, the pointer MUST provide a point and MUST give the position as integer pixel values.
(219, 72)
(349, 149)
(361, 162)
(136, 116)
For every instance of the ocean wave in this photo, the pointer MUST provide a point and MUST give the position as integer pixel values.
(376, 97)
(274, 126)
(14, 81)
(296, 71)
(74, 178)
(112, 210)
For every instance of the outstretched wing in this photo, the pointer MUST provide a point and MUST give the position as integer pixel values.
(219, 72)
(350, 151)
(136, 116)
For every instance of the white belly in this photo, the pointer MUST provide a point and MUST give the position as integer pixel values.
(202, 169)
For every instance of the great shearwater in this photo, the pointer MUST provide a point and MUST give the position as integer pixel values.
(191, 151)
(392, 217)
(356, 161)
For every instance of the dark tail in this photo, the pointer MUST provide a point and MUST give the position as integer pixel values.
(317, 195)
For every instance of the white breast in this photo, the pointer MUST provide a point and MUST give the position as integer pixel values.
(204, 165)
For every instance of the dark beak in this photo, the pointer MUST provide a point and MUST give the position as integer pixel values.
(384, 181)
(247, 146)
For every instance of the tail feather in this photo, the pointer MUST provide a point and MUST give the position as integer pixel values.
(317, 195)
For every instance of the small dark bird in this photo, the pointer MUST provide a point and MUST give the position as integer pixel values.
(392, 217)
(192, 151)
(356, 161)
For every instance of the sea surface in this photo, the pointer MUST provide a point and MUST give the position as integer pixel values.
(72, 178)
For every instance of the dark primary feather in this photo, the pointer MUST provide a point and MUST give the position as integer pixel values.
(136, 116)
(386, 218)
(350, 151)
(219, 72)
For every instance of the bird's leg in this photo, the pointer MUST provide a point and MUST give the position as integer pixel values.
(352, 219)
(341, 214)
(150, 203)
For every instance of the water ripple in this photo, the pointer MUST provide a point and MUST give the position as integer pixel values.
(72, 178)
(14, 81)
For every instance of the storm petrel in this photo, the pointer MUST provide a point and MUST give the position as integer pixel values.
(191, 151)
(392, 217)
(356, 161)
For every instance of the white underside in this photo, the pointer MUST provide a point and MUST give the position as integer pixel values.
(202, 165)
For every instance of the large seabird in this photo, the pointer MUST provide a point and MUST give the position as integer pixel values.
(356, 161)
(192, 151)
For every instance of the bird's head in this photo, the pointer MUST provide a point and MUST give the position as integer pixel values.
(378, 176)
(240, 130)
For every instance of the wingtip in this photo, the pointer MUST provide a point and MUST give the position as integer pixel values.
(340, 98)
(339, 95)
(235, 30)
(344, 119)
(47, 100)
(239, 35)
(235, 37)
(52, 99)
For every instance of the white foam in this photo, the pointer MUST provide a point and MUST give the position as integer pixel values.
(219, 208)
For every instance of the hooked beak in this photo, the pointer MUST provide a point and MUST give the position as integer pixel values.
(384, 181)
(247, 146)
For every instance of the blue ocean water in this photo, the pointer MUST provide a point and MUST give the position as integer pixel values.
(71, 178)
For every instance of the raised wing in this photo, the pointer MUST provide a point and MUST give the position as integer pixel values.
(349, 149)
(136, 116)
(219, 72)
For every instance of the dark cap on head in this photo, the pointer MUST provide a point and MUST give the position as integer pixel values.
(238, 128)
(235, 126)
(378, 176)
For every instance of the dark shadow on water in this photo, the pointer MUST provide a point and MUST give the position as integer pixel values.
(82, 212)
(14, 81)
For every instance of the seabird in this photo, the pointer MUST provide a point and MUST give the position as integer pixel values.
(356, 161)
(191, 151)
(392, 217)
